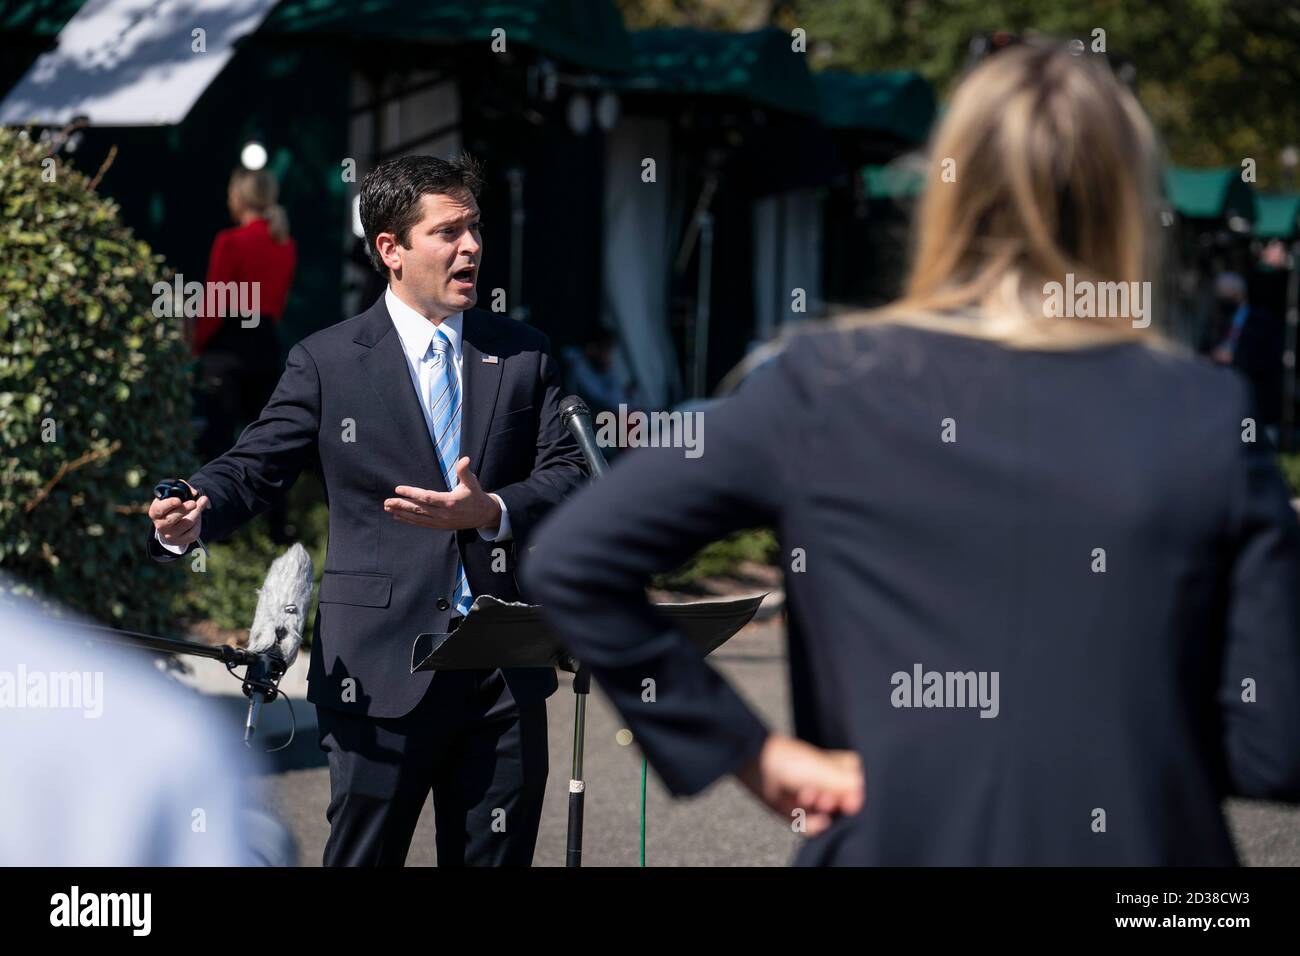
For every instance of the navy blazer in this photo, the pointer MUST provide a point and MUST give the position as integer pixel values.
(346, 395)
(1089, 526)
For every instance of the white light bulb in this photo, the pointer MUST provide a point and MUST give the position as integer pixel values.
(253, 155)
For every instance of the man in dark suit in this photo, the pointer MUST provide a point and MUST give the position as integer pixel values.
(414, 408)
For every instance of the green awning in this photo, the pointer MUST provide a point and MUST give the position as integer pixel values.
(1276, 216)
(41, 18)
(28, 28)
(1209, 193)
(1194, 193)
(587, 33)
(892, 182)
(758, 66)
(898, 103)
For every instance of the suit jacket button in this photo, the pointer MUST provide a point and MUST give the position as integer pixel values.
(443, 604)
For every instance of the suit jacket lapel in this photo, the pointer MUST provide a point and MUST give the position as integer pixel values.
(384, 364)
(481, 382)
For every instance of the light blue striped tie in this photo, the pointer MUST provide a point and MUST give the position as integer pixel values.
(444, 405)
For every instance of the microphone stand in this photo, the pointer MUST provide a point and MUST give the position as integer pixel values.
(574, 408)
(513, 634)
(577, 785)
(260, 682)
(226, 653)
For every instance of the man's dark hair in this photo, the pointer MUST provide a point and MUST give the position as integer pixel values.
(390, 194)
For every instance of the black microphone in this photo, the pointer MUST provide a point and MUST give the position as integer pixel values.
(576, 417)
(176, 488)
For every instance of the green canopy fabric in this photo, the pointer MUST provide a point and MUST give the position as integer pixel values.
(27, 29)
(1276, 216)
(899, 103)
(42, 18)
(892, 182)
(1194, 194)
(1209, 193)
(587, 33)
(758, 66)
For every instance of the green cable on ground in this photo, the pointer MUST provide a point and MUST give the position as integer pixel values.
(643, 770)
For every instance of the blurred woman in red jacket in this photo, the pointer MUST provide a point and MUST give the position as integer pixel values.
(240, 366)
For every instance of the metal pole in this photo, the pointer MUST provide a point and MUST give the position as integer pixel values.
(102, 634)
(781, 312)
(1287, 438)
(581, 688)
(700, 353)
(577, 786)
(516, 178)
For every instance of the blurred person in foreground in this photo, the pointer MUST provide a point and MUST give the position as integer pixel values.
(1058, 517)
(107, 762)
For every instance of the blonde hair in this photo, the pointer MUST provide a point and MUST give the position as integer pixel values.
(1056, 170)
(257, 190)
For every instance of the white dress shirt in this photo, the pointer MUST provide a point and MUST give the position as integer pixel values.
(416, 333)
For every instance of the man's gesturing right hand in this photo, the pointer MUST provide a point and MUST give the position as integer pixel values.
(178, 522)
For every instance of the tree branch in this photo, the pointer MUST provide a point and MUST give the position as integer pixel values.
(67, 468)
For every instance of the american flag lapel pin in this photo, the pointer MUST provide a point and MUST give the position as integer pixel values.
(491, 359)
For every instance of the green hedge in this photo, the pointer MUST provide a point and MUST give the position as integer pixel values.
(94, 394)
(722, 558)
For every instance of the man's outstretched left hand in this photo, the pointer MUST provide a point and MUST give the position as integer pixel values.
(465, 506)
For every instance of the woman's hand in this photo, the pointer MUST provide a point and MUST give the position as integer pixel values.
(790, 775)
